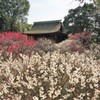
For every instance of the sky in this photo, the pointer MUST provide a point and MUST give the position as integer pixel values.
(44, 10)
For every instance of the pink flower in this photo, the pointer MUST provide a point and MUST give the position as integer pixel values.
(16, 41)
(13, 47)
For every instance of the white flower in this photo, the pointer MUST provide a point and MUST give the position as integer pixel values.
(21, 91)
(35, 98)
(91, 86)
(5, 89)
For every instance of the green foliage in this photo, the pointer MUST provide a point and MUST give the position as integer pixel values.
(11, 14)
(80, 19)
(25, 27)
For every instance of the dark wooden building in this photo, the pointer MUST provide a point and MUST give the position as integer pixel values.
(48, 29)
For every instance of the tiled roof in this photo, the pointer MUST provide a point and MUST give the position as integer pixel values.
(45, 27)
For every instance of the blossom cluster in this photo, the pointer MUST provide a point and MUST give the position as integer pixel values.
(83, 35)
(51, 76)
(81, 41)
(16, 42)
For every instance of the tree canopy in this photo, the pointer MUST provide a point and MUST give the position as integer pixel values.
(12, 12)
(80, 19)
(96, 2)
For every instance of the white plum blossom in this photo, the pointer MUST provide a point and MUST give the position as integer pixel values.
(51, 76)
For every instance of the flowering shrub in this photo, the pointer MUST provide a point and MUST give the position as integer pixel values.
(80, 42)
(16, 42)
(85, 37)
(44, 45)
(95, 50)
(52, 76)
